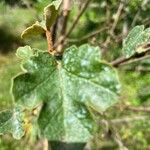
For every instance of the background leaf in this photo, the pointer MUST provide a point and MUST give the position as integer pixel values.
(136, 37)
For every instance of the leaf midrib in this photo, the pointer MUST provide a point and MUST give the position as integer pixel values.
(60, 69)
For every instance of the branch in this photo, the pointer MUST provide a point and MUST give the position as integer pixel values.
(117, 16)
(66, 11)
(54, 30)
(130, 119)
(88, 35)
(144, 2)
(142, 69)
(146, 22)
(116, 19)
(119, 61)
(111, 126)
(45, 144)
(117, 138)
(138, 109)
(78, 17)
(125, 61)
(112, 131)
(62, 39)
(135, 60)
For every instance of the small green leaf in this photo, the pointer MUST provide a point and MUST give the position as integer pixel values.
(11, 121)
(136, 37)
(34, 30)
(69, 88)
(51, 12)
(24, 52)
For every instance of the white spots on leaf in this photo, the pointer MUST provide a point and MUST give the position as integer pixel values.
(85, 63)
(17, 129)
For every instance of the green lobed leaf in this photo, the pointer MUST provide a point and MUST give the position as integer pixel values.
(69, 89)
(11, 121)
(51, 12)
(34, 30)
(136, 37)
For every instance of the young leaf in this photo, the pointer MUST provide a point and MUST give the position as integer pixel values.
(51, 12)
(34, 30)
(136, 37)
(11, 121)
(69, 89)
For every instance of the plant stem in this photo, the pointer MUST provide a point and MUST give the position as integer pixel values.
(78, 17)
(120, 60)
(49, 41)
(138, 109)
(127, 120)
(125, 61)
(111, 32)
(65, 14)
(54, 30)
(62, 39)
(45, 144)
(113, 133)
(86, 37)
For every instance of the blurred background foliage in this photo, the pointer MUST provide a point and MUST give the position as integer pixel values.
(100, 26)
